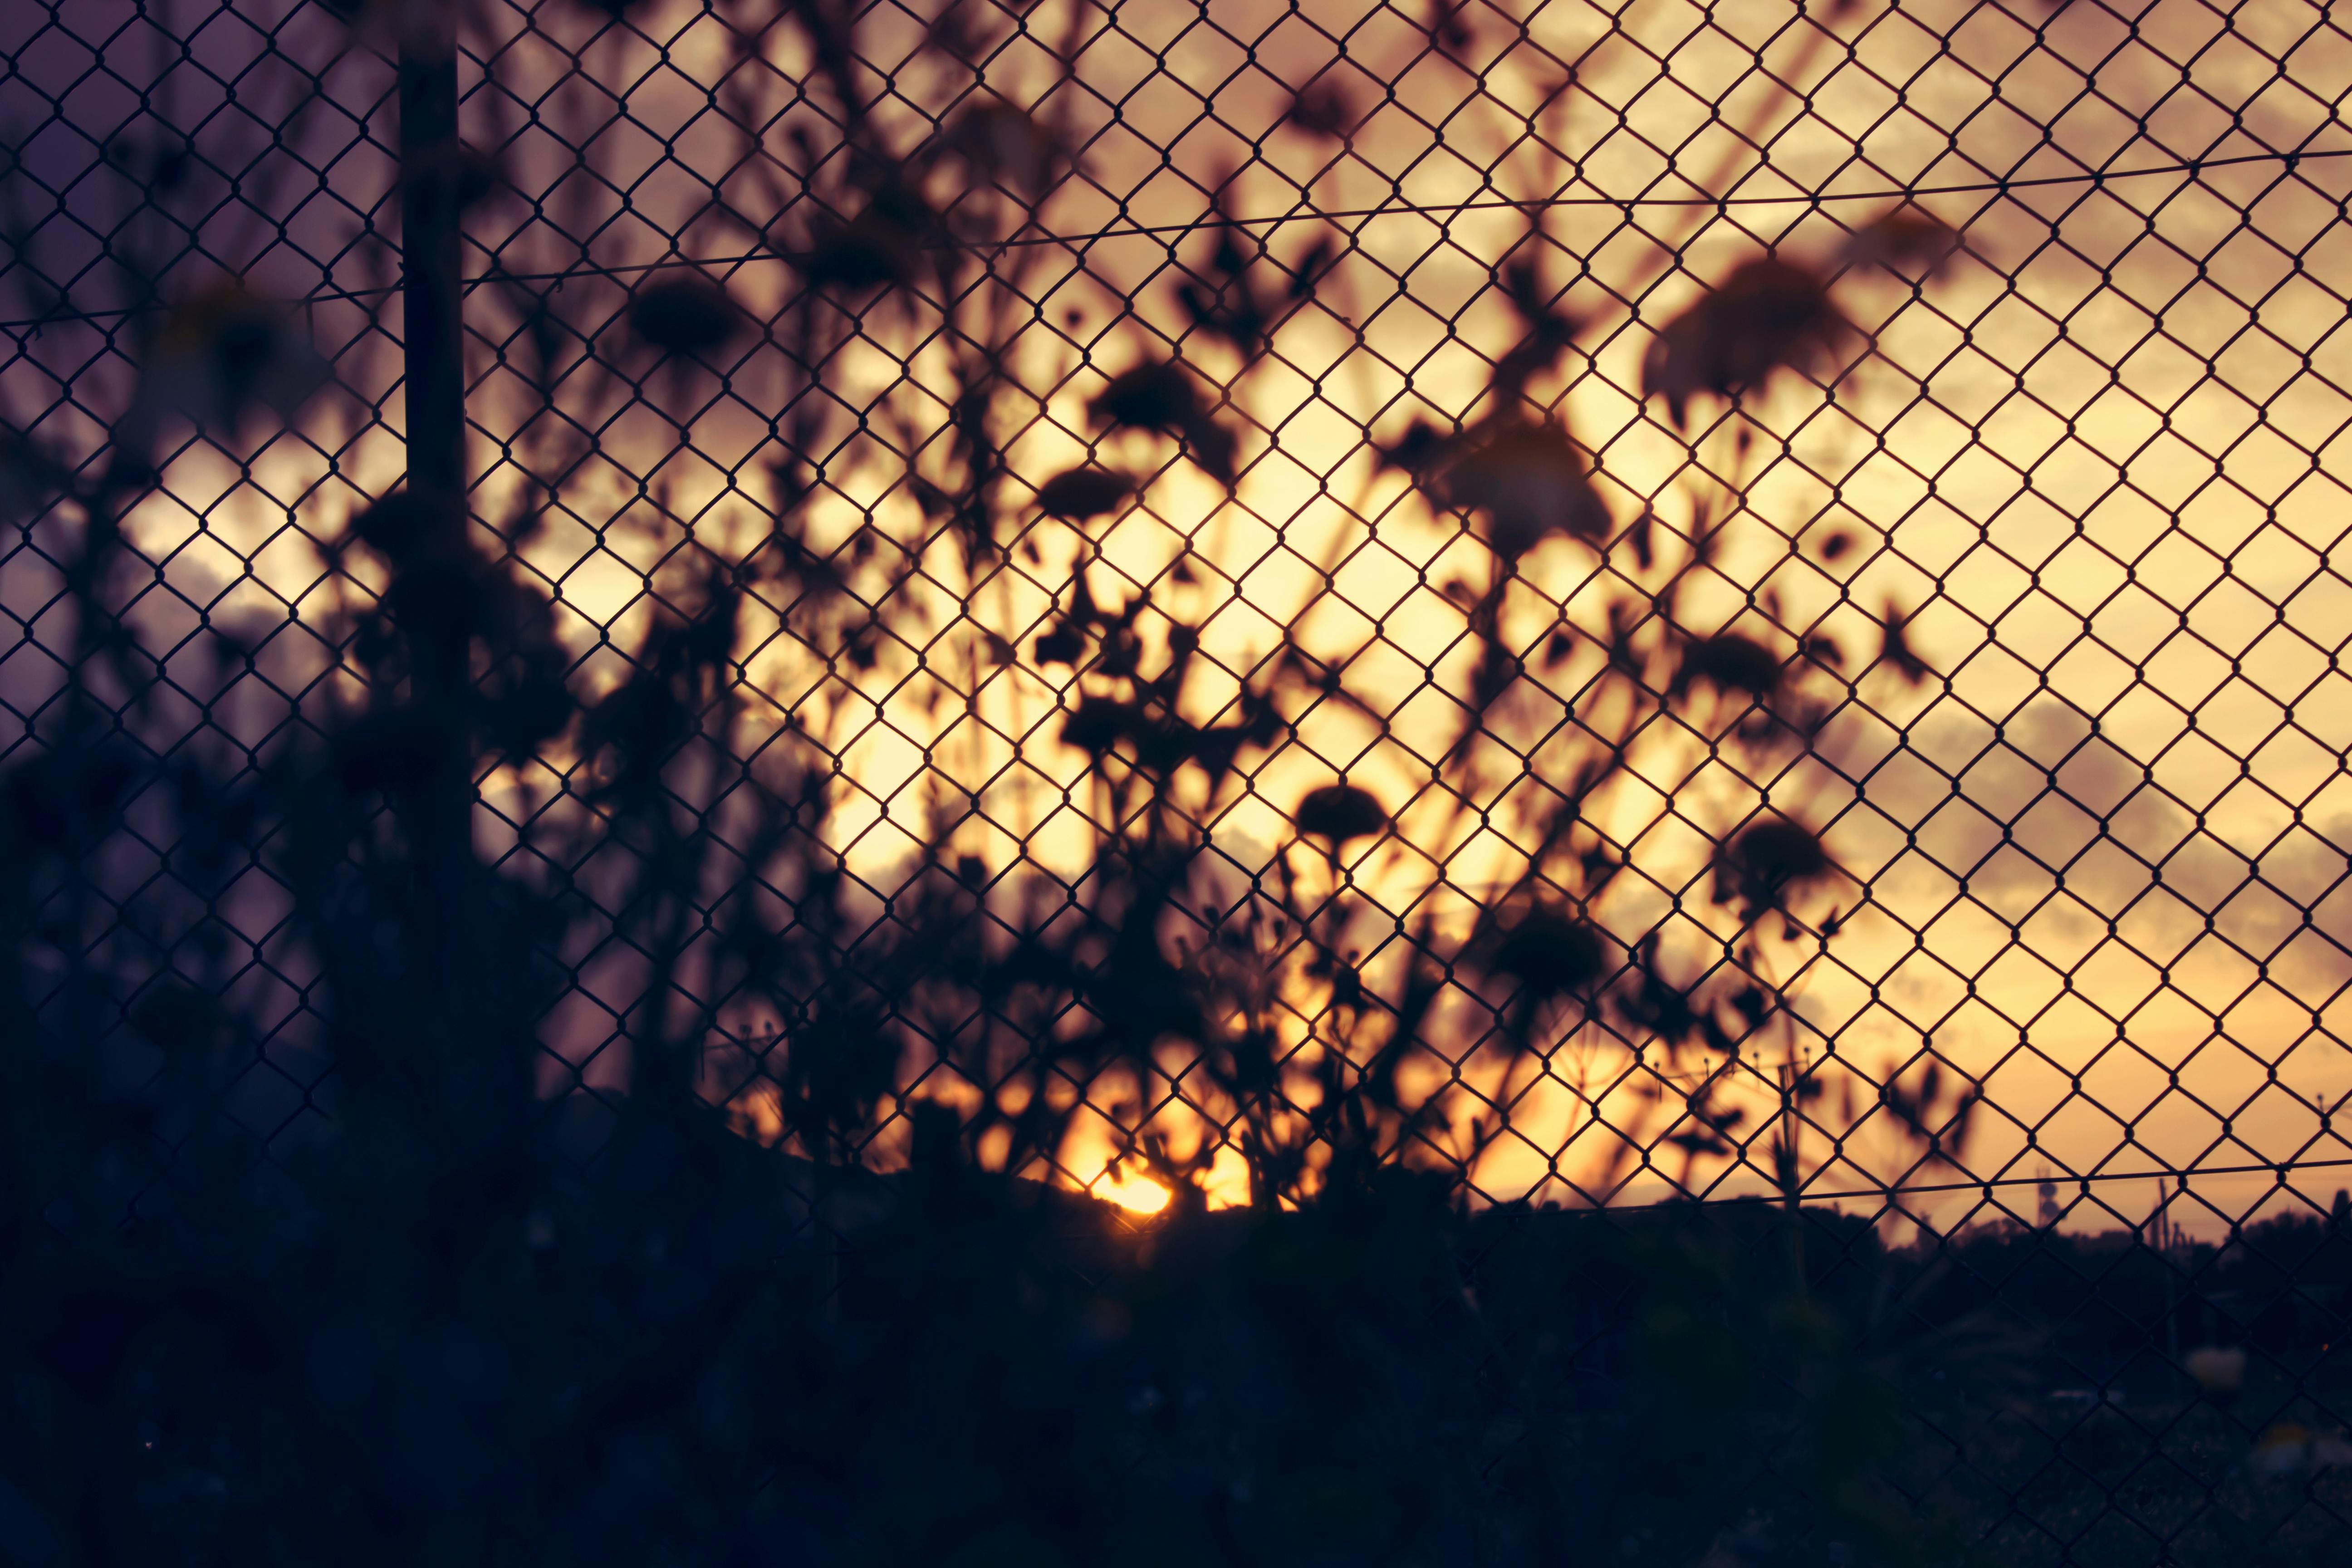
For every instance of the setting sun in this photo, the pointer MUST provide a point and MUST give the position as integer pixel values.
(1137, 1195)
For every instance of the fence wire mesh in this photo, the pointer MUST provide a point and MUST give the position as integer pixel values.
(1977, 368)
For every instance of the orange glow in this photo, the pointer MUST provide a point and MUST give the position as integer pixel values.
(1135, 1193)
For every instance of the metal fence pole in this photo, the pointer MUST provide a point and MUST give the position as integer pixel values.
(440, 831)
(430, 279)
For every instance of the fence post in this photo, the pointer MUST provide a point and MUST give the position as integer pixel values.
(432, 347)
(440, 833)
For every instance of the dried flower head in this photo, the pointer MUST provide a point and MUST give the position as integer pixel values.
(1905, 241)
(1077, 494)
(1530, 481)
(1768, 315)
(684, 314)
(1763, 866)
(1340, 811)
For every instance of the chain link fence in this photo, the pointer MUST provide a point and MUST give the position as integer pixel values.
(2018, 471)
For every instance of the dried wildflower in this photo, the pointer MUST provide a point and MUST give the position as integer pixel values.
(1448, 28)
(1728, 662)
(1321, 109)
(1097, 724)
(1312, 266)
(1340, 811)
(1159, 395)
(1063, 645)
(1548, 952)
(1895, 648)
(1078, 494)
(1904, 241)
(1768, 315)
(1229, 307)
(1214, 447)
(1529, 481)
(222, 357)
(1763, 866)
(686, 314)
(1418, 454)
(1546, 330)
(1155, 395)
(882, 246)
(31, 476)
(1007, 145)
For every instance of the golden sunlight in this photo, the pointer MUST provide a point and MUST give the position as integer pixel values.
(1134, 1193)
